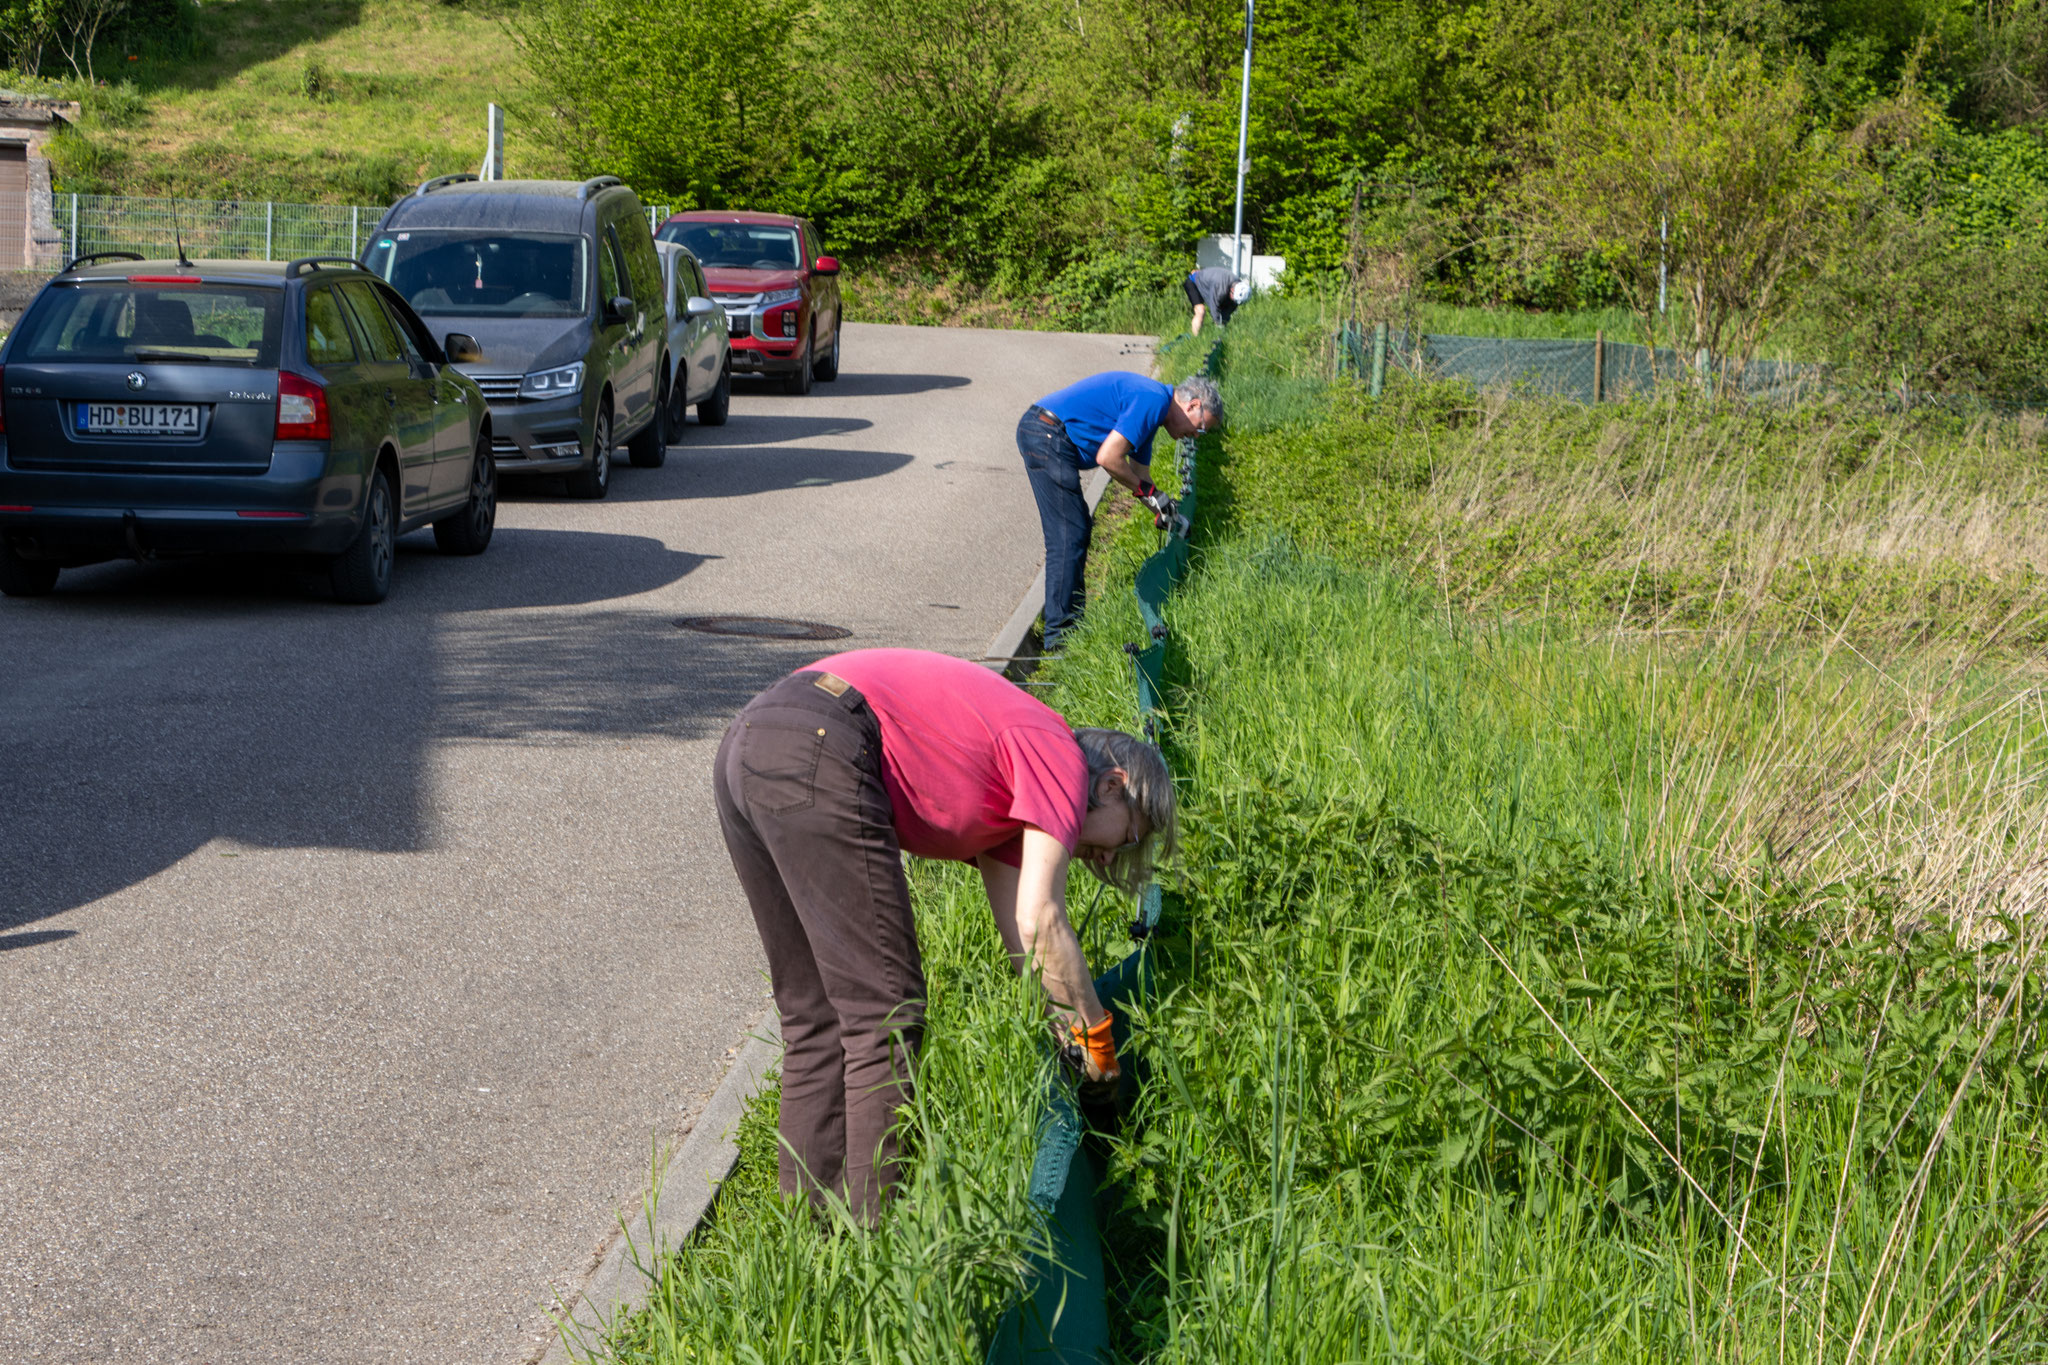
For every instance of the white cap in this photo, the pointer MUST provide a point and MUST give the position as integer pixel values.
(1240, 291)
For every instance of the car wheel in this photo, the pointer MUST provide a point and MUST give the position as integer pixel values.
(469, 530)
(594, 480)
(676, 410)
(25, 577)
(828, 369)
(798, 380)
(713, 411)
(649, 449)
(361, 574)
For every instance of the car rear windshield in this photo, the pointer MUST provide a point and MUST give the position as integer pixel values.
(737, 246)
(119, 322)
(465, 273)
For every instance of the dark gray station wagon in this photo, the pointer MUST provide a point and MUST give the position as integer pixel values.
(160, 408)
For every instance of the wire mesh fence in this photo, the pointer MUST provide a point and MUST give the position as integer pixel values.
(218, 229)
(1581, 371)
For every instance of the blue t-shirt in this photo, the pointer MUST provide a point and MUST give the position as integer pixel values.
(1117, 400)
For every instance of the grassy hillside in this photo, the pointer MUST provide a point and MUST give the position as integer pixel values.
(335, 101)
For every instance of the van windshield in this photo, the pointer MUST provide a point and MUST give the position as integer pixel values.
(737, 246)
(466, 273)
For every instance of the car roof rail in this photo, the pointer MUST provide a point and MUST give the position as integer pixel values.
(304, 263)
(77, 261)
(429, 186)
(594, 184)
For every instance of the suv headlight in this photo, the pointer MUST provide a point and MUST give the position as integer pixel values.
(552, 383)
(777, 299)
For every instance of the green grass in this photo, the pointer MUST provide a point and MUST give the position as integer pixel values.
(1544, 979)
(318, 101)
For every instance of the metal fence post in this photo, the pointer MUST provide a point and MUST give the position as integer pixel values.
(74, 225)
(269, 219)
(1599, 365)
(1379, 358)
(355, 230)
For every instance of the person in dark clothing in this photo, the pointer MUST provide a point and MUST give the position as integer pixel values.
(1107, 420)
(1214, 291)
(823, 782)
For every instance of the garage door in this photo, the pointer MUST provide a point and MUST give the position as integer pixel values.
(13, 205)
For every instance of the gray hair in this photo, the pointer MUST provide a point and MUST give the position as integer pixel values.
(1202, 389)
(1148, 787)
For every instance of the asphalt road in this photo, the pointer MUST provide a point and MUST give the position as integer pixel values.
(352, 960)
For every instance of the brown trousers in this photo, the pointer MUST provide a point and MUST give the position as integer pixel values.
(808, 823)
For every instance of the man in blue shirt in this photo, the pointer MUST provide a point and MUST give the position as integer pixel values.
(1107, 420)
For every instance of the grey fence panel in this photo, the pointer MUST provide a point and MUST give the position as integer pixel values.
(1572, 369)
(219, 229)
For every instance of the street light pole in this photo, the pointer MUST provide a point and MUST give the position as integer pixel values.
(1240, 258)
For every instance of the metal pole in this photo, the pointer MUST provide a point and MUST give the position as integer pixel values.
(269, 221)
(1599, 365)
(1663, 236)
(74, 225)
(494, 150)
(1240, 258)
(355, 229)
(1379, 358)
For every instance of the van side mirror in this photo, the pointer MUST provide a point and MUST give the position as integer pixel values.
(619, 309)
(828, 265)
(461, 349)
(699, 307)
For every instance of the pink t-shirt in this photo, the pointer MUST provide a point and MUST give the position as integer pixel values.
(969, 757)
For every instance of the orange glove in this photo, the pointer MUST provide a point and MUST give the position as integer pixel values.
(1097, 1049)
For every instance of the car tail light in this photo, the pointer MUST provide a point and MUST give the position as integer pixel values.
(301, 409)
(779, 322)
(17, 508)
(163, 279)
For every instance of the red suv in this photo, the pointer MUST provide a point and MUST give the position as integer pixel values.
(781, 297)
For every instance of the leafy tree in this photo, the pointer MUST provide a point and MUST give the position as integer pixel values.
(1718, 145)
(692, 98)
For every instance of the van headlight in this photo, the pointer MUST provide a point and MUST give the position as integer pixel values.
(552, 383)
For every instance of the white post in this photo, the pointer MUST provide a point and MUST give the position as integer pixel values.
(269, 220)
(355, 230)
(1663, 236)
(74, 225)
(494, 144)
(1241, 264)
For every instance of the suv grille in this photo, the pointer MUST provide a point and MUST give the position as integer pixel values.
(498, 388)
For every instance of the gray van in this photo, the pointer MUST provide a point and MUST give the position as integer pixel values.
(560, 285)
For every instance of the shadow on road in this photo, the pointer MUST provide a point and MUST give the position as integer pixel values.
(850, 385)
(147, 710)
(11, 941)
(752, 429)
(735, 472)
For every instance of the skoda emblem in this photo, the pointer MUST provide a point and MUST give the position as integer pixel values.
(136, 381)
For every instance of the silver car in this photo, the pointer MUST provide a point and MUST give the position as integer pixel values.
(699, 346)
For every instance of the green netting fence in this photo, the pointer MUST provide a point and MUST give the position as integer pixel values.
(1063, 1316)
(1595, 371)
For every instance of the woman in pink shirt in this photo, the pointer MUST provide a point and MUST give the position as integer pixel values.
(824, 781)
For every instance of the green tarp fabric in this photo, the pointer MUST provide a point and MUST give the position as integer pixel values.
(1063, 1318)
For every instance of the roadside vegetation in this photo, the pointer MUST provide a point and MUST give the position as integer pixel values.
(1608, 926)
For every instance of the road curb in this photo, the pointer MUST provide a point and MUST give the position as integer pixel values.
(623, 1278)
(1003, 651)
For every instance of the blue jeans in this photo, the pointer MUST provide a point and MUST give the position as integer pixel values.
(1054, 464)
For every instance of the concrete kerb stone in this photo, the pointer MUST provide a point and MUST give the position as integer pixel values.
(673, 1207)
(1006, 652)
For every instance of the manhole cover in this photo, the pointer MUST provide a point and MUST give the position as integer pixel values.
(764, 627)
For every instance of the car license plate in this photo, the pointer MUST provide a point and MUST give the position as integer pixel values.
(139, 419)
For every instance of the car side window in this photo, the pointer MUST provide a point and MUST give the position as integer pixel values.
(417, 346)
(611, 272)
(381, 336)
(327, 338)
(697, 285)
